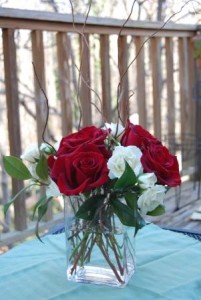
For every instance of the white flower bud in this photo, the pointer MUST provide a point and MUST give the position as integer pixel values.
(31, 153)
(116, 129)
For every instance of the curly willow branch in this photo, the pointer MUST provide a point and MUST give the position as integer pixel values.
(141, 47)
(85, 82)
(47, 105)
(84, 40)
(119, 85)
(81, 59)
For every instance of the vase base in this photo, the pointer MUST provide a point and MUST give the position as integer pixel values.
(100, 276)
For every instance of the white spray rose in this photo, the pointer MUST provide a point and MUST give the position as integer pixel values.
(147, 180)
(31, 154)
(116, 129)
(52, 190)
(116, 163)
(151, 198)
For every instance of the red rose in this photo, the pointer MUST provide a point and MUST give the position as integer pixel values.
(157, 159)
(90, 135)
(136, 135)
(80, 171)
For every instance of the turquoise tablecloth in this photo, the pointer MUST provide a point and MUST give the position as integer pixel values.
(168, 267)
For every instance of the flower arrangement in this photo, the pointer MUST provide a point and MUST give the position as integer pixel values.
(128, 162)
(116, 171)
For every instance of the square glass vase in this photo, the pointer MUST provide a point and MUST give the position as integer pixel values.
(98, 251)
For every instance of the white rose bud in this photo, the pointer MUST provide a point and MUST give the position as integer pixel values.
(116, 163)
(47, 149)
(31, 154)
(116, 129)
(151, 198)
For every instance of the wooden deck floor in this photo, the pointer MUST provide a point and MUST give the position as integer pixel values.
(190, 201)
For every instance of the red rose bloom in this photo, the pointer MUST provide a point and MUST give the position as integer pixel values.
(80, 171)
(157, 159)
(136, 135)
(89, 135)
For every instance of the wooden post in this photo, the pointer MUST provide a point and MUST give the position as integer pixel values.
(155, 61)
(198, 115)
(64, 83)
(122, 65)
(84, 91)
(184, 89)
(186, 102)
(12, 100)
(141, 91)
(38, 61)
(170, 94)
(105, 77)
(191, 83)
(41, 108)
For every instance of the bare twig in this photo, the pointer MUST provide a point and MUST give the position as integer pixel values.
(81, 55)
(148, 38)
(47, 105)
(141, 47)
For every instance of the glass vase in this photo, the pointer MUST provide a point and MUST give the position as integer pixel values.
(99, 250)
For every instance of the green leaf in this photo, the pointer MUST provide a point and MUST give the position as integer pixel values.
(40, 202)
(139, 221)
(131, 199)
(8, 204)
(159, 210)
(16, 168)
(41, 211)
(127, 179)
(124, 213)
(42, 168)
(129, 216)
(89, 207)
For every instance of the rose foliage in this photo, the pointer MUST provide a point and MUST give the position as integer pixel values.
(127, 169)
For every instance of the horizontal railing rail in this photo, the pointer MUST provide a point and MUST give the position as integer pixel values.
(40, 20)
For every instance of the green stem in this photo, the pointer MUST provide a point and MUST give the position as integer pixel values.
(85, 237)
(121, 269)
(105, 254)
(88, 253)
(83, 244)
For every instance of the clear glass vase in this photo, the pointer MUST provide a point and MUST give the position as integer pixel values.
(98, 250)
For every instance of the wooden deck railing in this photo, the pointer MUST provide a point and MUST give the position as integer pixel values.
(161, 79)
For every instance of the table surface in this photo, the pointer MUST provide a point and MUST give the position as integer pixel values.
(168, 267)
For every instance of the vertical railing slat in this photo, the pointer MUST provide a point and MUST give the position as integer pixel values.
(64, 83)
(141, 90)
(13, 115)
(184, 88)
(170, 93)
(185, 100)
(155, 63)
(123, 88)
(39, 63)
(84, 91)
(105, 77)
(41, 106)
(191, 83)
